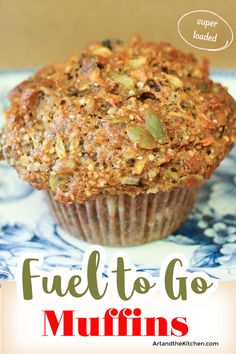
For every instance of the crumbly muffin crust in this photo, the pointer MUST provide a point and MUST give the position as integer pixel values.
(119, 118)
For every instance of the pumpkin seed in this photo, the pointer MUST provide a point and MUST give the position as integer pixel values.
(198, 178)
(175, 81)
(203, 87)
(152, 174)
(215, 89)
(60, 148)
(142, 137)
(173, 176)
(123, 79)
(53, 182)
(130, 180)
(102, 51)
(190, 178)
(139, 166)
(153, 190)
(155, 125)
(137, 63)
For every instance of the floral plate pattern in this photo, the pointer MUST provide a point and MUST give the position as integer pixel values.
(207, 239)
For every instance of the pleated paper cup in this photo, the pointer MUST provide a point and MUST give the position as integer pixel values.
(124, 220)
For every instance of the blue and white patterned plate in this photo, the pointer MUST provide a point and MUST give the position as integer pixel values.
(208, 238)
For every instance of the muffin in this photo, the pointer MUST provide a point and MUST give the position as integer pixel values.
(120, 138)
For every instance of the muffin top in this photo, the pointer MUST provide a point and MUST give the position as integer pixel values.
(136, 117)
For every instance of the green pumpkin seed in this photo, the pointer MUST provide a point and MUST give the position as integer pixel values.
(53, 182)
(196, 178)
(203, 87)
(173, 176)
(139, 166)
(153, 190)
(102, 51)
(152, 174)
(130, 180)
(142, 137)
(123, 79)
(137, 63)
(175, 81)
(60, 148)
(155, 125)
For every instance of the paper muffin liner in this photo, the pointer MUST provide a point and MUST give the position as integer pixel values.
(124, 220)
